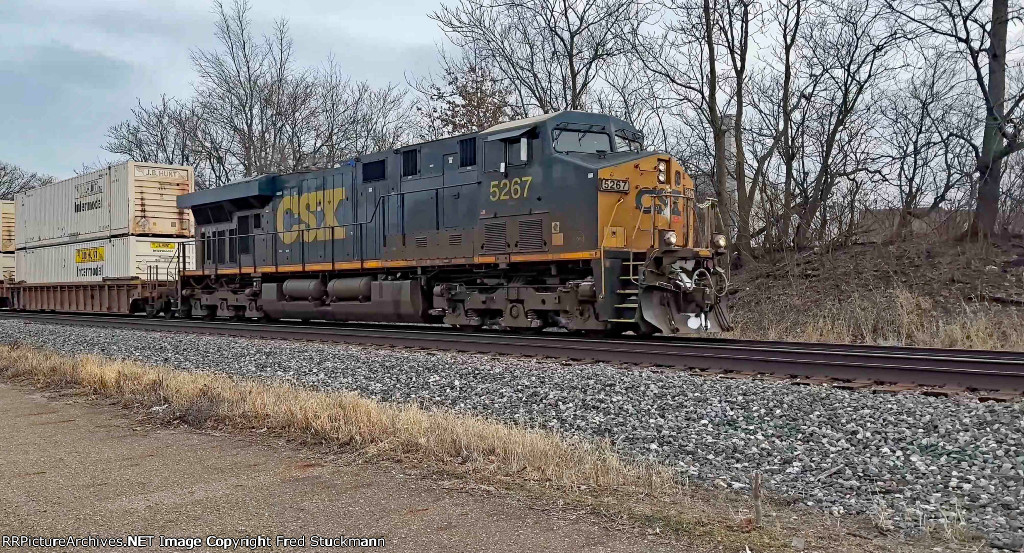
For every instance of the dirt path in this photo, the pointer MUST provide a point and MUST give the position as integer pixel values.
(72, 467)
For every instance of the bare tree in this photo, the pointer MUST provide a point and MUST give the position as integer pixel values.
(465, 96)
(924, 160)
(637, 97)
(251, 88)
(256, 112)
(14, 180)
(550, 53)
(977, 30)
(849, 45)
(683, 52)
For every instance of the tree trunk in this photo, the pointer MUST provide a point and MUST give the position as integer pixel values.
(990, 164)
(788, 154)
(715, 120)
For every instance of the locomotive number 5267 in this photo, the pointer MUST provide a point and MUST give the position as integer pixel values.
(510, 190)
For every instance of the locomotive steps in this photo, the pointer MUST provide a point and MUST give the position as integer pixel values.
(506, 459)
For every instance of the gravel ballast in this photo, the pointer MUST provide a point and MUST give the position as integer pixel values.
(906, 460)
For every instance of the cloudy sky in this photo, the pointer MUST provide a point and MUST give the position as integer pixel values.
(71, 68)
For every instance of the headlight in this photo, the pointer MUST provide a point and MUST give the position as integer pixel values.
(663, 166)
(662, 178)
(670, 238)
(719, 241)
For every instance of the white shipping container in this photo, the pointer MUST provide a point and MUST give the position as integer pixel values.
(110, 258)
(6, 226)
(128, 199)
(6, 266)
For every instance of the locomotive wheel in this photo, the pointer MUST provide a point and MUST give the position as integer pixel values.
(210, 313)
(185, 309)
(169, 312)
(151, 311)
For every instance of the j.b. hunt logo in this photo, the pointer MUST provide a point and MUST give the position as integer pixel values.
(90, 255)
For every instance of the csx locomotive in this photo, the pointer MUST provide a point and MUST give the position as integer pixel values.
(560, 220)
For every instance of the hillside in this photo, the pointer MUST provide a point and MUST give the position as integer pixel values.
(924, 292)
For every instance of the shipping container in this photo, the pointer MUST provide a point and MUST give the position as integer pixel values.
(6, 266)
(6, 226)
(146, 258)
(132, 198)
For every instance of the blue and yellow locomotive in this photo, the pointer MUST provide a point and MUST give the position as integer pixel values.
(560, 220)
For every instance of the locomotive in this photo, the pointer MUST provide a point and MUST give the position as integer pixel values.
(561, 220)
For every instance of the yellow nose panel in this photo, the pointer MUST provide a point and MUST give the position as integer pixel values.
(630, 210)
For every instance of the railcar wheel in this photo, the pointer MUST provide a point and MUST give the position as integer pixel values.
(185, 309)
(151, 311)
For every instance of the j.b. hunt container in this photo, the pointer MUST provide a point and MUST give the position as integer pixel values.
(6, 227)
(127, 199)
(126, 257)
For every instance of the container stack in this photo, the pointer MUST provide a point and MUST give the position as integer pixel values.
(120, 222)
(6, 240)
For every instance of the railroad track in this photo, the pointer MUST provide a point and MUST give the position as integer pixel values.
(848, 365)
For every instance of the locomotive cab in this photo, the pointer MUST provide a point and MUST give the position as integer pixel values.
(661, 254)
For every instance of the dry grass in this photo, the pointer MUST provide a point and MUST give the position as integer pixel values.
(891, 317)
(340, 418)
(925, 292)
(534, 463)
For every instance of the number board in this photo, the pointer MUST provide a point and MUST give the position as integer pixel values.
(615, 185)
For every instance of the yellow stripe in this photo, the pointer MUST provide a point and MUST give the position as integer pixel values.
(400, 263)
(378, 263)
(594, 254)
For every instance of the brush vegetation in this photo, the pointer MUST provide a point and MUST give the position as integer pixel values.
(926, 293)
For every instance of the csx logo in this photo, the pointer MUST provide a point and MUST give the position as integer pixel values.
(660, 204)
(312, 210)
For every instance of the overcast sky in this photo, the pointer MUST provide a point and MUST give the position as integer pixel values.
(71, 68)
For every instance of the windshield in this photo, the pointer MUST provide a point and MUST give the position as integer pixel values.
(586, 142)
(623, 144)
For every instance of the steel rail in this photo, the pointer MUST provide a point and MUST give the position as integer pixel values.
(979, 370)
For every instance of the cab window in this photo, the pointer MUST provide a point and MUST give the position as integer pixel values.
(587, 142)
(623, 144)
(512, 152)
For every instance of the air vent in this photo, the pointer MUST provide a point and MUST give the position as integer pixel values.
(454, 239)
(421, 241)
(531, 235)
(494, 237)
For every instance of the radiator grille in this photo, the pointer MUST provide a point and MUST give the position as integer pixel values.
(421, 241)
(494, 237)
(531, 235)
(454, 239)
